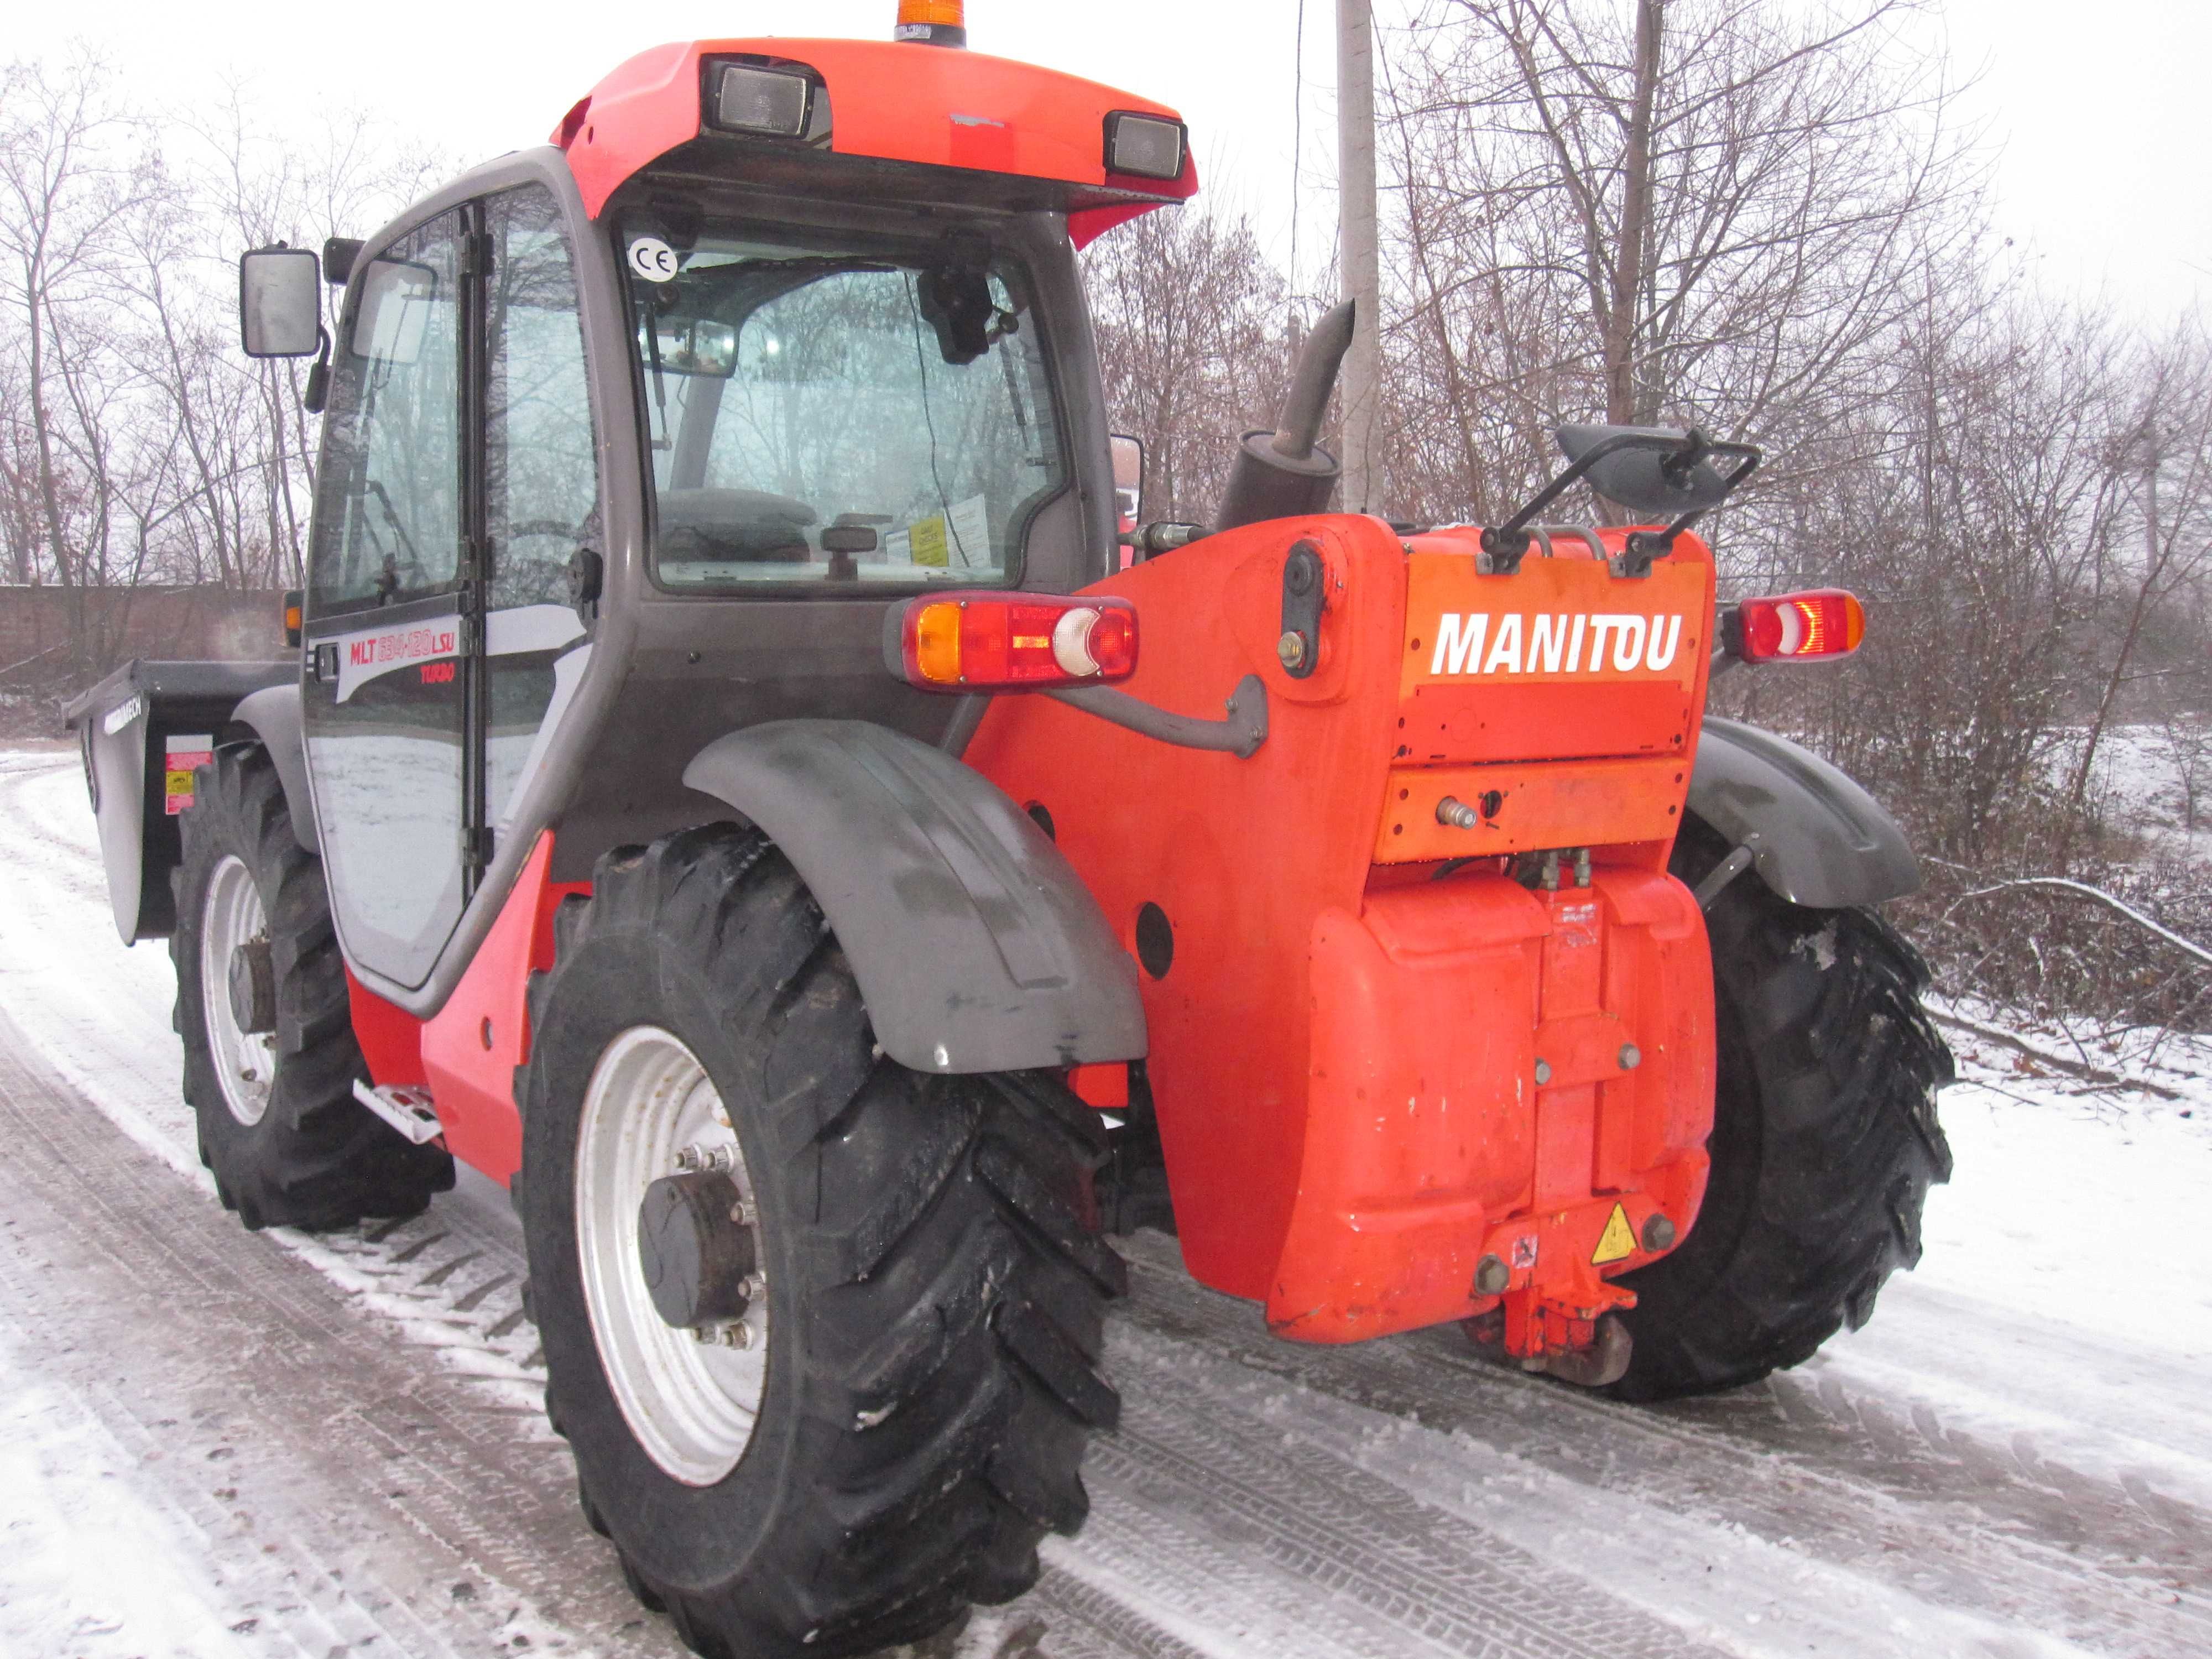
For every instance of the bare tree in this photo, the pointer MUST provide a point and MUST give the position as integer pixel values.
(1705, 210)
(1191, 323)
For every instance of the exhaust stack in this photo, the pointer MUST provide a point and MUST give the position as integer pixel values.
(1286, 473)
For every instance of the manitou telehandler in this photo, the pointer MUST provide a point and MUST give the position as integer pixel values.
(729, 790)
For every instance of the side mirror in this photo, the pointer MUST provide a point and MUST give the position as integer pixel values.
(279, 302)
(1128, 476)
(1665, 476)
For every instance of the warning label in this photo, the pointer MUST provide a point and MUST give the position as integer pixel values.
(1617, 1242)
(182, 754)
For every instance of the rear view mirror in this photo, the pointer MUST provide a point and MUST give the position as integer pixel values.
(279, 302)
(396, 297)
(692, 345)
(1129, 474)
(1664, 478)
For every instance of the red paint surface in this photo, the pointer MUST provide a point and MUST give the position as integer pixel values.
(391, 1039)
(894, 102)
(1342, 1053)
(472, 1080)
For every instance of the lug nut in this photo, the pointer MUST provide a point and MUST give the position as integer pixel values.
(1658, 1233)
(1631, 1056)
(1457, 814)
(1543, 1072)
(1492, 1276)
(742, 1214)
(696, 1160)
(735, 1334)
(1292, 648)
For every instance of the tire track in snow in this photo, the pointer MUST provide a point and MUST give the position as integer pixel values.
(1228, 1520)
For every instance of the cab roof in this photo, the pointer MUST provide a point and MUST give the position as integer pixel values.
(889, 101)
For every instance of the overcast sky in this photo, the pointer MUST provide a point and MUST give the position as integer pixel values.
(2095, 109)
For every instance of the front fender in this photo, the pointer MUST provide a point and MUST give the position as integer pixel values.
(1815, 837)
(976, 944)
(276, 718)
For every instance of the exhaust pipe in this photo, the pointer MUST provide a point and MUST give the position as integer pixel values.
(1285, 473)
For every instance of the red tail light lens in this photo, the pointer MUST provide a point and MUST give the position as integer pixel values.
(1016, 643)
(1827, 623)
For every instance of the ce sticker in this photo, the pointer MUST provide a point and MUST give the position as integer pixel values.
(653, 259)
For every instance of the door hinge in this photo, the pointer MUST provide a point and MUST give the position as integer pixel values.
(475, 255)
(477, 848)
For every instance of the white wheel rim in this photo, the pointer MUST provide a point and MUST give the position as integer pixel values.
(691, 1406)
(245, 1061)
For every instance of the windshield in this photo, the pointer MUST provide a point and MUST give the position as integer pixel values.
(840, 415)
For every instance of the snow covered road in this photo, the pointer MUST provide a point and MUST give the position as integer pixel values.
(214, 1443)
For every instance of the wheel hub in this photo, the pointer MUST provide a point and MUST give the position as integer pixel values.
(254, 987)
(695, 1246)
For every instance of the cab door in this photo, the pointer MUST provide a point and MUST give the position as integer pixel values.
(387, 615)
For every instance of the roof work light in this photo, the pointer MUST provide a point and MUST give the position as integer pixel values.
(1146, 146)
(755, 98)
(932, 23)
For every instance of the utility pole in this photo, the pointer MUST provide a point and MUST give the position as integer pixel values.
(1362, 260)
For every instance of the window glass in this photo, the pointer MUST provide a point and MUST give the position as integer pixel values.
(827, 414)
(541, 485)
(541, 466)
(390, 528)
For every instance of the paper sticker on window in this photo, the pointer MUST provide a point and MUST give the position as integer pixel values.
(929, 541)
(180, 756)
(971, 533)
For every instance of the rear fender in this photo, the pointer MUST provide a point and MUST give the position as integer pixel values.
(1815, 837)
(976, 944)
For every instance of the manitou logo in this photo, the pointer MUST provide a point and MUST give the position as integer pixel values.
(1467, 643)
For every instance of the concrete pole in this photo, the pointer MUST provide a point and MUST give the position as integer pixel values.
(1363, 264)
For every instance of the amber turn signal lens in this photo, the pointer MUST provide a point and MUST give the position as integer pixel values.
(953, 12)
(1016, 641)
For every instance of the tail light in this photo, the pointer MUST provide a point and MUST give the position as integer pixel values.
(1827, 623)
(1016, 641)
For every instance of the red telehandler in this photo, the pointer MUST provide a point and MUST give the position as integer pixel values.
(729, 790)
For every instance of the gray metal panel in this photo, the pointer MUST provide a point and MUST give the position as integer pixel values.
(275, 716)
(1816, 838)
(976, 944)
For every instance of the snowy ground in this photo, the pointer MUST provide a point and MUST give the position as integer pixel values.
(213, 1444)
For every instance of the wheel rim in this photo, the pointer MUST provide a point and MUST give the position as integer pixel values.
(245, 1061)
(691, 1406)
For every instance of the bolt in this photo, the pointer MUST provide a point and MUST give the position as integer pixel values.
(742, 1214)
(735, 1334)
(1292, 648)
(753, 1286)
(697, 1160)
(1631, 1056)
(1543, 1072)
(1658, 1233)
(1581, 866)
(1492, 1276)
(1457, 814)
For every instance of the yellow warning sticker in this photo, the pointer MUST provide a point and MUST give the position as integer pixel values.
(927, 540)
(1617, 1241)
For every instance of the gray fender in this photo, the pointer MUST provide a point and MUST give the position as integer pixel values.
(275, 716)
(976, 944)
(1815, 837)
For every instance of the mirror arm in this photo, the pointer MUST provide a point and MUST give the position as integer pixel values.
(317, 397)
(1643, 546)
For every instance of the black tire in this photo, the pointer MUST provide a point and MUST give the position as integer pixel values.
(937, 1285)
(317, 1159)
(1824, 1142)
